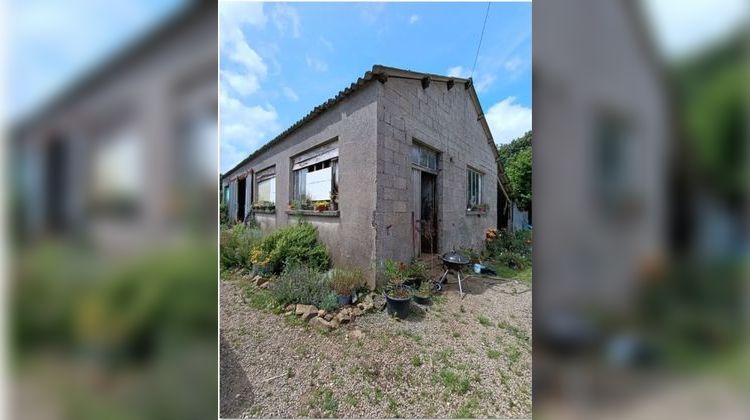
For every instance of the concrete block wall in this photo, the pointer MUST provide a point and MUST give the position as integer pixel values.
(349, 237)
(445, 120)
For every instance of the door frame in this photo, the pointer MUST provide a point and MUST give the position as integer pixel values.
(417, 207)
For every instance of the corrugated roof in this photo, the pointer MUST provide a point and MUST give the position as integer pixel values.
(379, 72)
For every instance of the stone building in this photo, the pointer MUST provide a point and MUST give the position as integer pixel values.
(398, 164)
(122, 158)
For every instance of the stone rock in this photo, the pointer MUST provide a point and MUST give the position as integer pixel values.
(261, 281)
(257, 279)
(343, 317)
(328, 317)
(265, 285)
(306, 311)
(357, 312)
(357, 335)
(334, 322)
(321, 312)
(378, 302)
(367, 303)
(287, 313)
(320, 324)
(289, 308)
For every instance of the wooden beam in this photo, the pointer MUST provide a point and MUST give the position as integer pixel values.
(450, 84)
(425, 82)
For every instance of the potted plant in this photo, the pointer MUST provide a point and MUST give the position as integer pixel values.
(345, 283)
(397, 294)
(423, 295)
(414, 273)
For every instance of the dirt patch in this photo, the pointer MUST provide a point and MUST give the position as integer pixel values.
(466, 357)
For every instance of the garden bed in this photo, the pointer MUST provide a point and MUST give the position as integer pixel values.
(458, 357)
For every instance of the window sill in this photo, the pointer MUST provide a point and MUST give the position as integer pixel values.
(326, 213)
(263, 211)
(477, 213)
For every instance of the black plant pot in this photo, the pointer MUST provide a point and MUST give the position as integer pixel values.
(422, 300)
(397, 306)
(345, 300)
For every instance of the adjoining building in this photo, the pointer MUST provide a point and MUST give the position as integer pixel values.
(398, 164)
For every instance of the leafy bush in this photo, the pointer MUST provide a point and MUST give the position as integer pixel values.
(503, 241)
(302, 284)
(330, 302)
(223, 213)
(235, 245)
(416, 270)
(345, 281)
(295, 244)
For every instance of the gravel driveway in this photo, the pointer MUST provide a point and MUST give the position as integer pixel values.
(457, 358)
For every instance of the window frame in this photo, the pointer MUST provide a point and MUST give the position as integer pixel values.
(313, 155)
(474, 178)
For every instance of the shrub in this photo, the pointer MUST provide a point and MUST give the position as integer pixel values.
(223, 213)
(330, 302)
(345, 281)
(296, 244)
(302, 284)
(416, 270)
(517, 242)
(511, 249)
(235, 245)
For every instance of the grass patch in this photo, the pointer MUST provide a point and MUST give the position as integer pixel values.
(393, 406)
(261, 299)
(453, 382)
(466, 411)
(444, 355)
(484, 321)
(493, 354)
(524, 276)
(514, 331)
(513, 354)
(416, 361)
(324, 401)
(414, 336)
(439, 300)
(456, 334)
(351, 400)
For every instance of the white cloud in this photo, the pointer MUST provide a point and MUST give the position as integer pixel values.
(244, 79)
(458, 71)
(513, 64)
(242, 84)
(413, 19)
(483, 83)
(243, 129)
(508, 120)
(682, 27)
(290, 93)
(316, 64)
(370, 12)
(328, 44)
(235, 14)
(286, 19)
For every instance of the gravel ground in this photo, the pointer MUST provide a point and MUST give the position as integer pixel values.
(456, 358)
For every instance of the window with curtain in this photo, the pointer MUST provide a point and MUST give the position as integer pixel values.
(473, 190)
(315, 179)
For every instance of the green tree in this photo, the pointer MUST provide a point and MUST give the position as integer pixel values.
(516, 160)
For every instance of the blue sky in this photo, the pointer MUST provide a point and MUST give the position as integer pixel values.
(52, 43)
(280, 60)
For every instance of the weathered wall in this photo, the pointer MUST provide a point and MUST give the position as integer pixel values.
(445, 120)
(350, 236)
